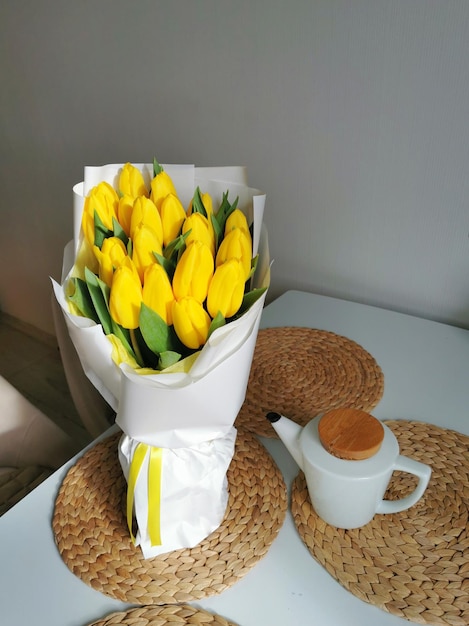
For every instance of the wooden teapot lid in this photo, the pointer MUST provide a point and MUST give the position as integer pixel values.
(350, 434)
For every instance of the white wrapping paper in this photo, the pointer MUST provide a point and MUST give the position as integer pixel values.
(189, 416)
(194, 493)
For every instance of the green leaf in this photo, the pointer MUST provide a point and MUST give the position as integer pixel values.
(130, 247)
(225, 210)
(82, 300)
(217, 230)
(157, 168)
(197, 204)
(167, 359)
(219, 220)
(124, 335)
(168, 265)
(230, 210)
(101, 232)
(249, 299)
(223, 206)
(157, 334)
(254, 262)
(119, 232)
(176, 247)
(145, 356)
(217, 322)
(99, 293)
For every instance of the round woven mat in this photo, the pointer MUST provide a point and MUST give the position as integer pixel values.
(413, 564)
(163, 616)
(301, 372)
(92, 536)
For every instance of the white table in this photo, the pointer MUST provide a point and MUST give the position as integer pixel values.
(426, 370)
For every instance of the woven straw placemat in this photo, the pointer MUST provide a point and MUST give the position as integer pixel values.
(163, 616)
(413, 564)
(301, 372)
(92, 536)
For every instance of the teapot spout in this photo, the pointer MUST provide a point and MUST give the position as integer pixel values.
(289, 433)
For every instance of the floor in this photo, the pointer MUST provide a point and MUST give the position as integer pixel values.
(30, 361)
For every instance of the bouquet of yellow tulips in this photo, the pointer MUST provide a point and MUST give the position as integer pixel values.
(162, 291)
(160, 277)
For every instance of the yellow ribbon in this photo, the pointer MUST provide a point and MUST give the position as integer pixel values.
(154, 489)
(154, 495)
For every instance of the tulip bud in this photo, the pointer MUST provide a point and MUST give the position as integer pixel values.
(126, 295)
(193, 272)
(157, 292)
(131, 182)
(109, 257)
(145, 212)
(226, 290)
(103, 200)
(191, 322)
(236, 219)
(207, 202)
(124, 213)
(161, 186)
(145, 243)
(172, 217)
(201, 230)
(236, 244)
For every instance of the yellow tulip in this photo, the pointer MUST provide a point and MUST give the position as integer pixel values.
(201, 230)
(191, 322)
(161, 186)
(126, 295)
(104, 200)
(206, 201)
(172, 217)
(236, 245)
(193, 272)
(131, 182)
(158, 293)
(236, 219)
(124, 213)
(226, 290)
(145, 212)
(109, 257)
(144, 243)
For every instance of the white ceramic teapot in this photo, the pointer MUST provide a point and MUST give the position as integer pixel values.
(348, 458)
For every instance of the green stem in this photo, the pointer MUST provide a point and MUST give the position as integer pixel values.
(136, 347)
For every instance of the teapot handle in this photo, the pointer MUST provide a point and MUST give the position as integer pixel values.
(423, 473)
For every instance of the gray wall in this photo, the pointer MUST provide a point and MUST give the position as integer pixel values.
(352, 115)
